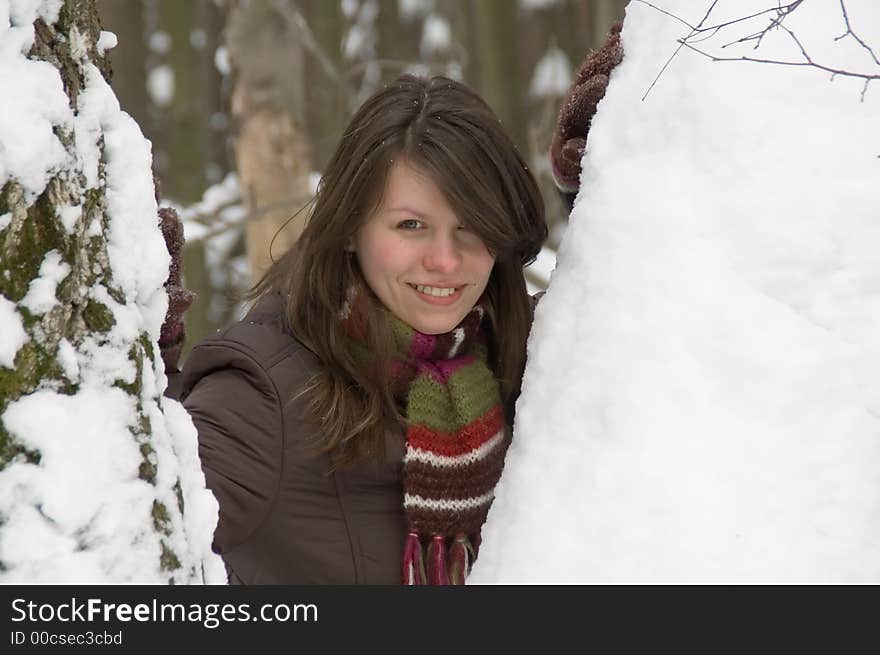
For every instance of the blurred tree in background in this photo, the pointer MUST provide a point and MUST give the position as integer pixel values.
(244, 102)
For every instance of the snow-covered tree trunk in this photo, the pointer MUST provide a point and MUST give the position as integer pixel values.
(99, 475)
(701, 402)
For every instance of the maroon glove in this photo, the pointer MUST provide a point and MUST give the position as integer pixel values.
(173, 333)
(576, 113)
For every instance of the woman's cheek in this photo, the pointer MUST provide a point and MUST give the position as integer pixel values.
(392, 254)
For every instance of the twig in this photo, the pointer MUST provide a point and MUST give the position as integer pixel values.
(296, 19)
(758, 37)
(849, 32)
(778, 10)
(681, 43)
(663, 11)
(834, 71)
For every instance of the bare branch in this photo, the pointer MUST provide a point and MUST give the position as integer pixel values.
(298, 22)
(215, 223)
(701, 33)
(799, 44)
(678, 49)
(849, 32)
(778, 10)
(758, 37)
(812, 64)
(668, 61)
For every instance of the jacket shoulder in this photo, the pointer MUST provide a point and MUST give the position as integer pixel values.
(234, 386)
(262, 336)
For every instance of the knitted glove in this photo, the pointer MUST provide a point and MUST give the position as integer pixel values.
(576, 113)
(173, 333)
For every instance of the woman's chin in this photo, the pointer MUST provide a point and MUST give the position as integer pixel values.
(439, 323)
(433, 327)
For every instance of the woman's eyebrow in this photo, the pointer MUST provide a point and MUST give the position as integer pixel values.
(408, 210)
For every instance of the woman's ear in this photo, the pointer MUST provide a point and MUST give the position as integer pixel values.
(349, 247)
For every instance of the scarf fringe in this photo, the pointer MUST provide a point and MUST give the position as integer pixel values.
(444, 566)
(413, 564)
(461, 557)
(437, 573)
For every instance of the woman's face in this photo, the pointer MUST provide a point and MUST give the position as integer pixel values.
(424, 266)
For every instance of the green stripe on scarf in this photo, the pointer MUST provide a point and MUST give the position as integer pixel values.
(471, 393)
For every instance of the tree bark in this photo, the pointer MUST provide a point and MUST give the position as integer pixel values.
(98, 313)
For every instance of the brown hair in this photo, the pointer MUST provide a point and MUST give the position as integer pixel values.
(443, 128)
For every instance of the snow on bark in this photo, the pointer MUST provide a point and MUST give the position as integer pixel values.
(100, 480)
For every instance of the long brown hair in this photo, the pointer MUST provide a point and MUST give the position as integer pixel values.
(445, 129)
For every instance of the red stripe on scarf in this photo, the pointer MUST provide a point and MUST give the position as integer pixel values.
(469, 438)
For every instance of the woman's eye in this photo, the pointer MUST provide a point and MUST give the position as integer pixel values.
(410, 224)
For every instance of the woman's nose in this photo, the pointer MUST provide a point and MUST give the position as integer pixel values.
(442, 255)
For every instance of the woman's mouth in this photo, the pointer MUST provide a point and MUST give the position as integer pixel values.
(438, 295)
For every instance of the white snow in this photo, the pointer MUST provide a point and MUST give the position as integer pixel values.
(68, 360)
(198, 38)
(79, 44)
(221, 203)
(40, 297)
(702, 396)
(532, 5)
(410, 9)
(160, 85)
(541, 269)
(23, 12)
(349, 8)
(160, 42)
(106, 41)
(355, 41)
(13, 335)
(552, 75)
(31, 152)
(136, 248)
(69, 215)
(436, 35)
(217, 220)
(91, 425)
(360, 40)
(221, 60)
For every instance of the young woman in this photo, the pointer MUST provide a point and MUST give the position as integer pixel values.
(354, 424)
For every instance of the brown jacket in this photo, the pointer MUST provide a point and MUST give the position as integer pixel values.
(283, 518)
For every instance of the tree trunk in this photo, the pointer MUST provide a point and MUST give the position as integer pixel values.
(272, 150)
(96, 468)
(326, 111)
(495, 53)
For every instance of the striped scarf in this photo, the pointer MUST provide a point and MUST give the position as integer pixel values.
(455, 445)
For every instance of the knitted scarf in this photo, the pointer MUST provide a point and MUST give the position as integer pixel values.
(455, 444)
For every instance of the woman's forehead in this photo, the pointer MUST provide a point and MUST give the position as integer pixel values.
(408, 188)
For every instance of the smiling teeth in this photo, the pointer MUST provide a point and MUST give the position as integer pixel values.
(435, 291)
